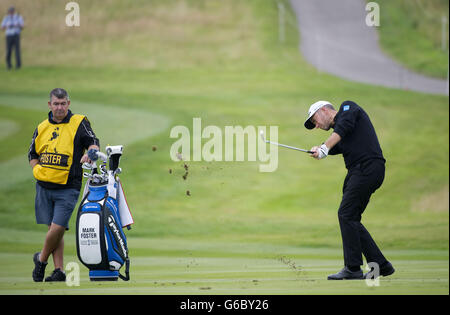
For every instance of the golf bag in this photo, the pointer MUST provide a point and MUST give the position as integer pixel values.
(101, 241)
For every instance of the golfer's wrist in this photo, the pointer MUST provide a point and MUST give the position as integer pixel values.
(323, 151)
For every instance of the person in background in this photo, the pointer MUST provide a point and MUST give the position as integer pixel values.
(13, 25)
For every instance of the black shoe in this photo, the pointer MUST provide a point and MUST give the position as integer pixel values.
(39, 268)
(57, 275)
(386, 269)
(346, 274)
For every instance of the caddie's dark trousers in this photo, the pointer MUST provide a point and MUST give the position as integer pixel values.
(13, 42)
(360, 183)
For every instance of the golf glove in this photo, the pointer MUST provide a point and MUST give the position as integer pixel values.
(323, 152)
(92, 154)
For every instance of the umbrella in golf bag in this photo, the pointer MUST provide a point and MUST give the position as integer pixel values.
(102, 215)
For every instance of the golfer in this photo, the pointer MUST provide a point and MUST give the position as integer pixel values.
(354, 137)
(56, 153)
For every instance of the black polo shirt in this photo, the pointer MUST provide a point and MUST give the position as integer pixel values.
(359, 141)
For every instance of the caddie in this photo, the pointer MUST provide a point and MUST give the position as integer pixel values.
(354, 137)
(56, 153)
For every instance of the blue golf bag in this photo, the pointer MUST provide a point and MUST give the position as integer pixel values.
(101, 241)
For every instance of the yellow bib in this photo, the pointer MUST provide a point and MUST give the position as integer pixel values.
(54, 145)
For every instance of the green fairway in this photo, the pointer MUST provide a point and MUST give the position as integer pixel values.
(174, 266)
(138, 72)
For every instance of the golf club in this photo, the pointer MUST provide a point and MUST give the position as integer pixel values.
(283, 145)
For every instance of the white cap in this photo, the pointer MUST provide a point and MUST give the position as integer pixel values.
(312, 110)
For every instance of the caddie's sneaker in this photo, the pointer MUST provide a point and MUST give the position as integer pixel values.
(39, 268)
(347, 274)
(57, 275)
(386, 269)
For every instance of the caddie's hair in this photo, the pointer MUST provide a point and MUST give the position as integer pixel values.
(329, 106)
(59, 93)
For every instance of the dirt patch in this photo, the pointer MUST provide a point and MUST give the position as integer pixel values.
(433, 202)
(291, 264)
(185, 166)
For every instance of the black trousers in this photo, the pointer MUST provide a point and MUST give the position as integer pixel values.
(13, 42)
(360, 183)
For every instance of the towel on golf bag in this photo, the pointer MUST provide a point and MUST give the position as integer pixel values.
(124, 210)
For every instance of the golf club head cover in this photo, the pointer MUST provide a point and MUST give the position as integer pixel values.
(92, 154)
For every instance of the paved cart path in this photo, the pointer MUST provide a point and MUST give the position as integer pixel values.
(335, 39)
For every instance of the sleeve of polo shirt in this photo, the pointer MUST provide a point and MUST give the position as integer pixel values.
(88, 137)
(335, 150)
(347, 120)
(32, 154)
